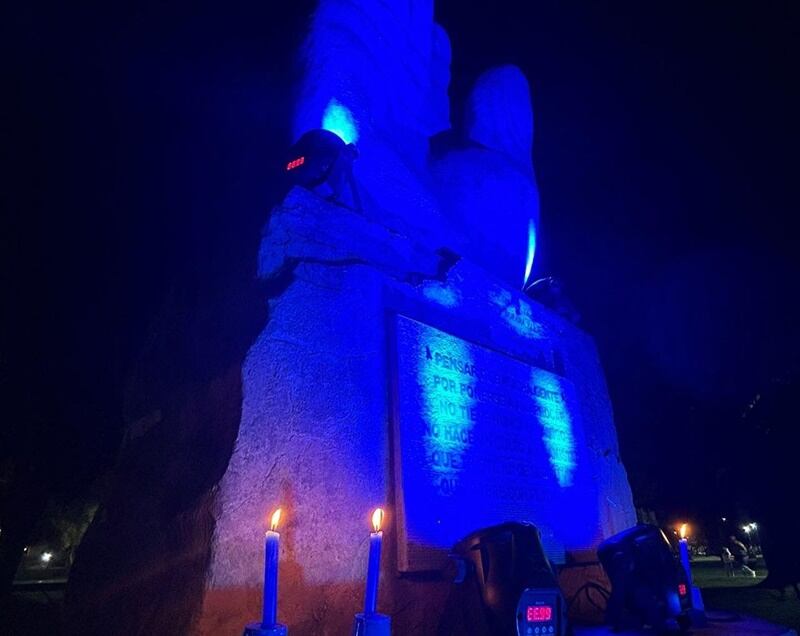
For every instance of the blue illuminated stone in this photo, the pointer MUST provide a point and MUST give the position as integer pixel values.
(556, 421)
(401, 366)
(446, 406)
(339, 120)
(487, 188)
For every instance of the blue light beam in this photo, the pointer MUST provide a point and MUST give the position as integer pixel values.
(446, 378)
(531, 251)
(338, 119)
(557, 424)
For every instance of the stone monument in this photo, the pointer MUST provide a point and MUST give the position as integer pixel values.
(400, 365)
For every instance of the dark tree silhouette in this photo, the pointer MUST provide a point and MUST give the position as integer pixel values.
(766, 480)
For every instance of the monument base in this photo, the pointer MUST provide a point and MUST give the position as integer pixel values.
(258, 629)
(392, 375)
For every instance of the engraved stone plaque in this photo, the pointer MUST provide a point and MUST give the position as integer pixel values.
(481, 438)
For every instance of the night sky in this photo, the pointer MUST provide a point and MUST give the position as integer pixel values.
(143, 146)
(665, 154)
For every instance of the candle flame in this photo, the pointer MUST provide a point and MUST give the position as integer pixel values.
(276, 517)
(377, 519)
(683, 530)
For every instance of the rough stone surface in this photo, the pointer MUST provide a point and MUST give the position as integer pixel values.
(499, 113)
(306, 424)
(334, 235)
(141, 566)
(487, 186)
(315, 429)
(387, 65)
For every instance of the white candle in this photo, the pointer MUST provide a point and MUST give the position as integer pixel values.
(683, 548)
(374, 564)
(271, 558)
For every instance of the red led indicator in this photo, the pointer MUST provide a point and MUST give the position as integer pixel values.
(681, 589)
(539, 613)
(295, 162)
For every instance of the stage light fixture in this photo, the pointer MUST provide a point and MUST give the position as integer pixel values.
(649, 585)
(323, 163)
(506, 585)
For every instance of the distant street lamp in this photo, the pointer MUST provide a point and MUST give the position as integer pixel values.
(755, 539)
(750, 531)
(46, 557)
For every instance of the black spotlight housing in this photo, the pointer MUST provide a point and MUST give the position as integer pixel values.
(505, 585)
(649, 585)
(322, 162)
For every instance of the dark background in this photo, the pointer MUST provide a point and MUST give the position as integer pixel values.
(664, 150)
(142, 145)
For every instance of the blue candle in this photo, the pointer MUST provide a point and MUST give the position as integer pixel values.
(683, 548)
(374, 563)
(271, 554)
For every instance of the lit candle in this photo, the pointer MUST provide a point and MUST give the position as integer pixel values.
(683, 546)
(374, 564)
(271, 556)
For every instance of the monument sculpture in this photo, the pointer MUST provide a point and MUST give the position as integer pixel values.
(400, 365)
(485, 181)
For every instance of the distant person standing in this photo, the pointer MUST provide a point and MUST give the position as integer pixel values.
(727, 561)
(740, 556)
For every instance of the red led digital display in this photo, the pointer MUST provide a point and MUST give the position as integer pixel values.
(539, 613)
(295, 162)
(681, 589)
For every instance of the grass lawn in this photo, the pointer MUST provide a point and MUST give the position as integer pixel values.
(740, 594)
